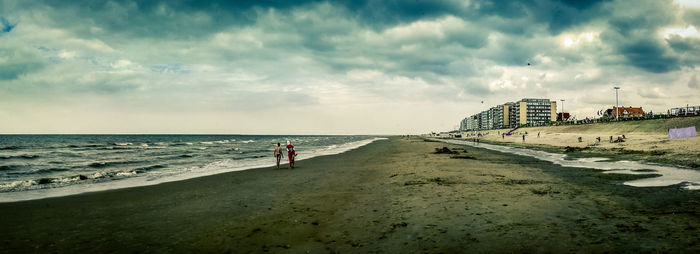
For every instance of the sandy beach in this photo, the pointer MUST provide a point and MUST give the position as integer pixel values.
(392, 196)
(645, 140)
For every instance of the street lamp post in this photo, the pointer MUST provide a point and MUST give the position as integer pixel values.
(562, 110)
(617, 117)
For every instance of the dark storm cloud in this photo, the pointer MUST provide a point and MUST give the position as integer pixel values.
(118, 22)
(17, 62)
(635, 37)
(5, 26)
(381, 13)
(556, 15)
(681, 45)
(686, 48)
(187, 19)
(649, 55)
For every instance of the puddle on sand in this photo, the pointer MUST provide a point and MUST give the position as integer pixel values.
(668, 175)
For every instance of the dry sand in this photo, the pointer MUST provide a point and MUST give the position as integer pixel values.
(392, 196)
(645, 140)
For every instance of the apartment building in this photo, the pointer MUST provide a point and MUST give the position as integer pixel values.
(534, 112)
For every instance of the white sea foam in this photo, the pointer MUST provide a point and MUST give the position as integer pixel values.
(17, 184)
(668, 175)
(130, 173)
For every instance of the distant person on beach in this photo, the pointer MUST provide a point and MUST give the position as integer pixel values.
(538, 134)
(278, 154)
(523, 138)
(291, 154)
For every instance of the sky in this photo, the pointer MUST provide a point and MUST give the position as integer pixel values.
(333, 67)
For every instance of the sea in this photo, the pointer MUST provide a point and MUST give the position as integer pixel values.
(41, 166)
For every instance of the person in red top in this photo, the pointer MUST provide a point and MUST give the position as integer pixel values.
(291, 154)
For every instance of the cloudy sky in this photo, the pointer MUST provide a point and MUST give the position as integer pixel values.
(332, 67)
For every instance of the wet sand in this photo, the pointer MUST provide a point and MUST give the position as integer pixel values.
(393, 196)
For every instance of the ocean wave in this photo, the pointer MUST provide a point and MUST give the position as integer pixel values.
(17, 185)
(248, 141)
(141, 146)
(256, 151)
(130, 173)
(10, 148)
(67, 154)
(107, 174)
(50, 170)
(10, 167)
(206, 143)
(56, 182)
(148, 168)
(119, 148)
(84, 146)
(23, 156)
(102, 164)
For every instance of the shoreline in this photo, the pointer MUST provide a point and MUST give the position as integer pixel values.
(393, 195)
(139, 181)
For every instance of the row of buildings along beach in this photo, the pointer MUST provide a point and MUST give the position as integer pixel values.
(525, 112)
(530, 112)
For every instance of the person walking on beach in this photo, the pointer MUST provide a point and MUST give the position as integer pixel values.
(523, 138)
(278, 154)
(291, 154)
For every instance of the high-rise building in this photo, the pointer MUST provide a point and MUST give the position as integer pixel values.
(502, 115)
(535, 112)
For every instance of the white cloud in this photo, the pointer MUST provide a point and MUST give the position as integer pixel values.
(572, 40)
(688, 3)
(689, 31)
